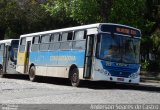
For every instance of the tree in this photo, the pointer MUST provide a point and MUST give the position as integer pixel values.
(6, 15)
(156, 44)
(129, 12)
(24, 16)
(82, 11)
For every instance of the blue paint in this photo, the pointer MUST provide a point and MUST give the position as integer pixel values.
(120, 71)
(58, 58)
(1, 59)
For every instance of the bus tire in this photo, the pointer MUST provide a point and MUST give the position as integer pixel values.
(1, 72)
(32, 75)
(75, 81)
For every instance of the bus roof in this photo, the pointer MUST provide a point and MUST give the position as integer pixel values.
(7, 40)
(96, 25)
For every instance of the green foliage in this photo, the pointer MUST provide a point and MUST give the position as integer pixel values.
(146, 44)
(79, 10)
(132, 13)
(82, 11)
(145, 65)
(128, 12)
(156, 43)
(152, 66)
(7, 15)
(85, 11)
(24, 16)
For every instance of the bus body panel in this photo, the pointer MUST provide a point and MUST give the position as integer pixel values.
(21, 61)
(117, 72)
(57, 63)
(8, 57)
(1, 59)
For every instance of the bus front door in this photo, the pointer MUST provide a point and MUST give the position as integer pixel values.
(88, 56)
(26, 66)
(5, 58)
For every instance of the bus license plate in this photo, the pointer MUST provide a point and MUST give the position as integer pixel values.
(120, 79)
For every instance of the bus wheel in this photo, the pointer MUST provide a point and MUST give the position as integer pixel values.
(75, 81)
(1, 72)
(32, 75)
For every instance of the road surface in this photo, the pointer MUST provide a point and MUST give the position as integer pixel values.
(17, 89)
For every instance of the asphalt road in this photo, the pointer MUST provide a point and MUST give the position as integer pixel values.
(17, 89)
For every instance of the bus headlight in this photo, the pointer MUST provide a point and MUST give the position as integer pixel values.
(105, 72)
(98, 67)
(133, 75)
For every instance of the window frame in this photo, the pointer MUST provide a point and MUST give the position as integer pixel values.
(66, 40)
(79, 40)
(67, 35)
(3, 46)
(52, 35)
(21, 41)
(22, 45)
(84, 37)
(45, 35)
(33, 40)
(52, 43)
(2, 50)
(45, 43)
(38, 44)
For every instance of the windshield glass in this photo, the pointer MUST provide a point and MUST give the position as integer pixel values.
(118, 48)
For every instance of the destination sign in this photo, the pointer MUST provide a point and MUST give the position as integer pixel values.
(126, 31)
(120, 30)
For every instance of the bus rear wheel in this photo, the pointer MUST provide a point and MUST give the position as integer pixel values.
(32, 75)
(1, 72)
(75, 81)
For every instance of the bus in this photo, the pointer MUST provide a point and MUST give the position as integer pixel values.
(8, 56)
(96, 52)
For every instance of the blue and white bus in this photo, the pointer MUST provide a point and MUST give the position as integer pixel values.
(96, 52)
(8, 56)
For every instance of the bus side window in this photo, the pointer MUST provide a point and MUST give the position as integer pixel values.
(80, 35)
(70, 35)
(54, 41)
(35, 43)
(22, 44)
(66, 41)
(79, 40)
(45, 39)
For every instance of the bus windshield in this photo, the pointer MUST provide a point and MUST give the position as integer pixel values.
(118, 48)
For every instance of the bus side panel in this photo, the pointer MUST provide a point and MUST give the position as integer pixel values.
(52, 64)
(21, 61)
(39, 59)
(55, 67)
(1, 59)
(57, 63)
(1, 55)
(41, 62)
(63, 62)
(79, 61)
